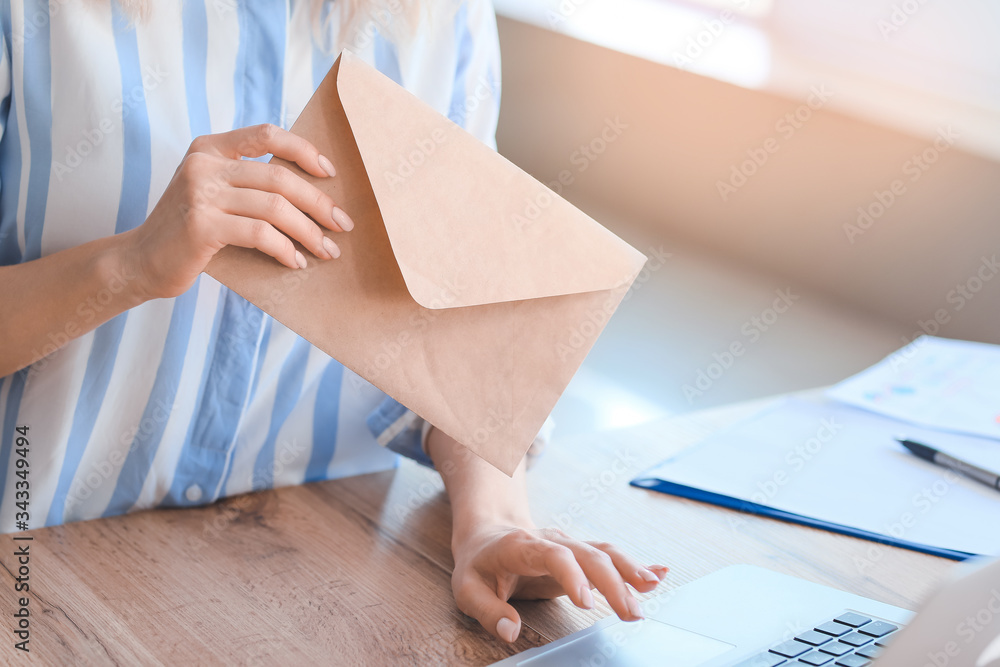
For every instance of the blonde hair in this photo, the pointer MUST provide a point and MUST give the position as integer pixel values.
(396, 19)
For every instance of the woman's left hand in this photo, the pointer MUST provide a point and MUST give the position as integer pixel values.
(496, 563)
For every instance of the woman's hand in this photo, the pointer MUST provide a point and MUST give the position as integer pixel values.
(500, 555)
(215, 199)
(496, 563)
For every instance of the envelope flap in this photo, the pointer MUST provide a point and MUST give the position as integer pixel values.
(468, 227)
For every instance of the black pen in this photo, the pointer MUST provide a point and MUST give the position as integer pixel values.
(947, 461)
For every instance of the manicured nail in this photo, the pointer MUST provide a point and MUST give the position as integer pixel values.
(586, 597)
(300, 259)
(327, 166)
(660, 570)
(331, 247)
(647, 575)
(342, 219)
(634, 608)
(507, 629)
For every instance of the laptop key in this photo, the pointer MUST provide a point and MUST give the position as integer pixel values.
(871, 652)
(853, 661)
(878, 629)
(836, 648)
(815, 658)
(791, 649)
(763, 660)
(856, 639)
(833, 629)
(813, 638)
(852, 619)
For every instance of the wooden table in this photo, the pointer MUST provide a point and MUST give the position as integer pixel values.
(357, 571)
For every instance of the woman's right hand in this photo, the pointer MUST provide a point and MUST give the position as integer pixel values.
(216, 198)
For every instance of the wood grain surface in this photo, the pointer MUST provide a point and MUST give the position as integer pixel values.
(357, 571)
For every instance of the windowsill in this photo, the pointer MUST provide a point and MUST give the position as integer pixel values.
(754, 56)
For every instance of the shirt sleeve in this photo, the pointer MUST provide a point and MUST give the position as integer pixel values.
(399, 429)
(534, 450)
(9, 251)
(475, 98)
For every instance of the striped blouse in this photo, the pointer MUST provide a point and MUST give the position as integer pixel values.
(181, 401)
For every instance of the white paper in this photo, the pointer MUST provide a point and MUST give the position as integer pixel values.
(842, 465)
(937, 382)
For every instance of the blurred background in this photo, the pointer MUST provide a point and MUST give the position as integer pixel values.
(817, 181)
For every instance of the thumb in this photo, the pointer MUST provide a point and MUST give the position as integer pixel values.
(478, 600)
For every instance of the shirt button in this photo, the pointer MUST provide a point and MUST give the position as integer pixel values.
(193, 493)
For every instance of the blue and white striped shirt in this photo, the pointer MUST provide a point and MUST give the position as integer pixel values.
(181, 401)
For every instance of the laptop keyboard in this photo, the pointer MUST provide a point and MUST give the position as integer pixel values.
(850, 640)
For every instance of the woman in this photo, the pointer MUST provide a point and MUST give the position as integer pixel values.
(143, 382)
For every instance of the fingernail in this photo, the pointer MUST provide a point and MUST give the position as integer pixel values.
(586, 597)
(331, 247)
(660, 570)
(342, 219)
(649, 576)
(634, 608)
(300, 259)
(327, 166)
(507, 629)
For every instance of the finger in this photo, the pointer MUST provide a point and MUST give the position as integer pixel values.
(642, 579)
(255, 233)
(300, 193)
(538, 557)
(258, 140)
(539, 588)
(476, 599)
(600, 569)
(278, 211)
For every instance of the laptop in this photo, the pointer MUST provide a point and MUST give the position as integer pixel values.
(746, 616)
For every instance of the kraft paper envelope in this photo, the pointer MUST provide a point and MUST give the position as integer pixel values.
(467, 291)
